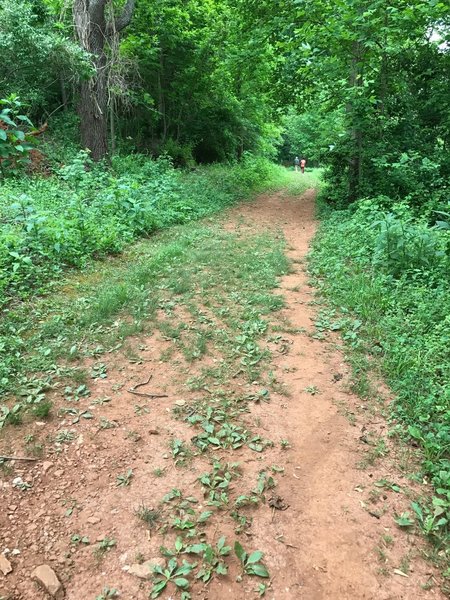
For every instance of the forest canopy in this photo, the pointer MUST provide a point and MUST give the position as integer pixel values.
(359, 87)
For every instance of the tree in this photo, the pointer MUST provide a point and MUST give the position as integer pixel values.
(96, 32)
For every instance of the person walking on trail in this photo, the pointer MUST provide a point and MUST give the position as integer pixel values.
(296, 163)
(303, 165)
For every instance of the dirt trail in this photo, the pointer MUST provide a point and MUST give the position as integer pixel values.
(335, 537)
(322, 547)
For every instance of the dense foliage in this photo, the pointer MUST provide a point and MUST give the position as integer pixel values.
(52, 223)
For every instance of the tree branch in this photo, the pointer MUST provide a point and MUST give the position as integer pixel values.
(124, 19)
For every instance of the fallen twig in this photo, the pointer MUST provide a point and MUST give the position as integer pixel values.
(18, 458)
(145, 395)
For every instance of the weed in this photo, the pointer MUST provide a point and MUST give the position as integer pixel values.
(76, 539)
(102, 400)
(173, 573)
(312, 389)
(104, 546)
(108, 593)
(148, 515)
(42, 410)
(285, 444)
(159, 472)
(65, 436)
(180, 452)
(124, 479)
(106, 423)
(212, 558)
(250, 563)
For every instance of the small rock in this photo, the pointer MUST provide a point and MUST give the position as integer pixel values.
(59, 473)
(46, 466)
(46, 577)
(93, 520)
(5, 565)
(145, 570)
(15, 552)
(180, 402)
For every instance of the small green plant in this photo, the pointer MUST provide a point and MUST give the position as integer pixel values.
(108, 593)
(261, 589)
(173, 573)
(404, 520)
(76, 539)
(212, 558)
(251, 563)
(42, 410)
(102, 400)
(149, 516)
(312, 389)
(65, 436)
(124, 479)
(106, 423)
(76, 414)
(104, 546)
(159, 472)
(180, 452)
(285, 444)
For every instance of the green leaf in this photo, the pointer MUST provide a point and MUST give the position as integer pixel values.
(257, 569)
(204, 516)
(255, 557)
(3, 135)
(221, 569)
(181, 582)
(158, 587)
(240, 552)
(196, 548)
(404, 520)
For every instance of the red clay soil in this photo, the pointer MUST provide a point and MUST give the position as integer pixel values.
(337, 538)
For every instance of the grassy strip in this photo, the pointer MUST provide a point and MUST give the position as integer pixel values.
(391, 299)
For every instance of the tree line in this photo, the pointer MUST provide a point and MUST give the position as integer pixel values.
(360, 87)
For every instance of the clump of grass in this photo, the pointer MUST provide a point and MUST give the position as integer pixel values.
(148, 515)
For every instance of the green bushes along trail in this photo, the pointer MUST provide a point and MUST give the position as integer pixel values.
(47, 224)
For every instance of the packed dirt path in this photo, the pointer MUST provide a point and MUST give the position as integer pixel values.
(332, 535)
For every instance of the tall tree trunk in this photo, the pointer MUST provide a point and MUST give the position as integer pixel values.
(356, 133)
(94, 32)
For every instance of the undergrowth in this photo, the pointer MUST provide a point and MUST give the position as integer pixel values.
(86, 211)
(387, 276)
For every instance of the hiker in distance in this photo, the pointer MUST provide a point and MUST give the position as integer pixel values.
(296, 163)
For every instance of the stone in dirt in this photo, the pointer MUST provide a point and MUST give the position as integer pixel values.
(46, 466)
(46, 577)
(93, 520)
(5, 565)
(145, 570)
